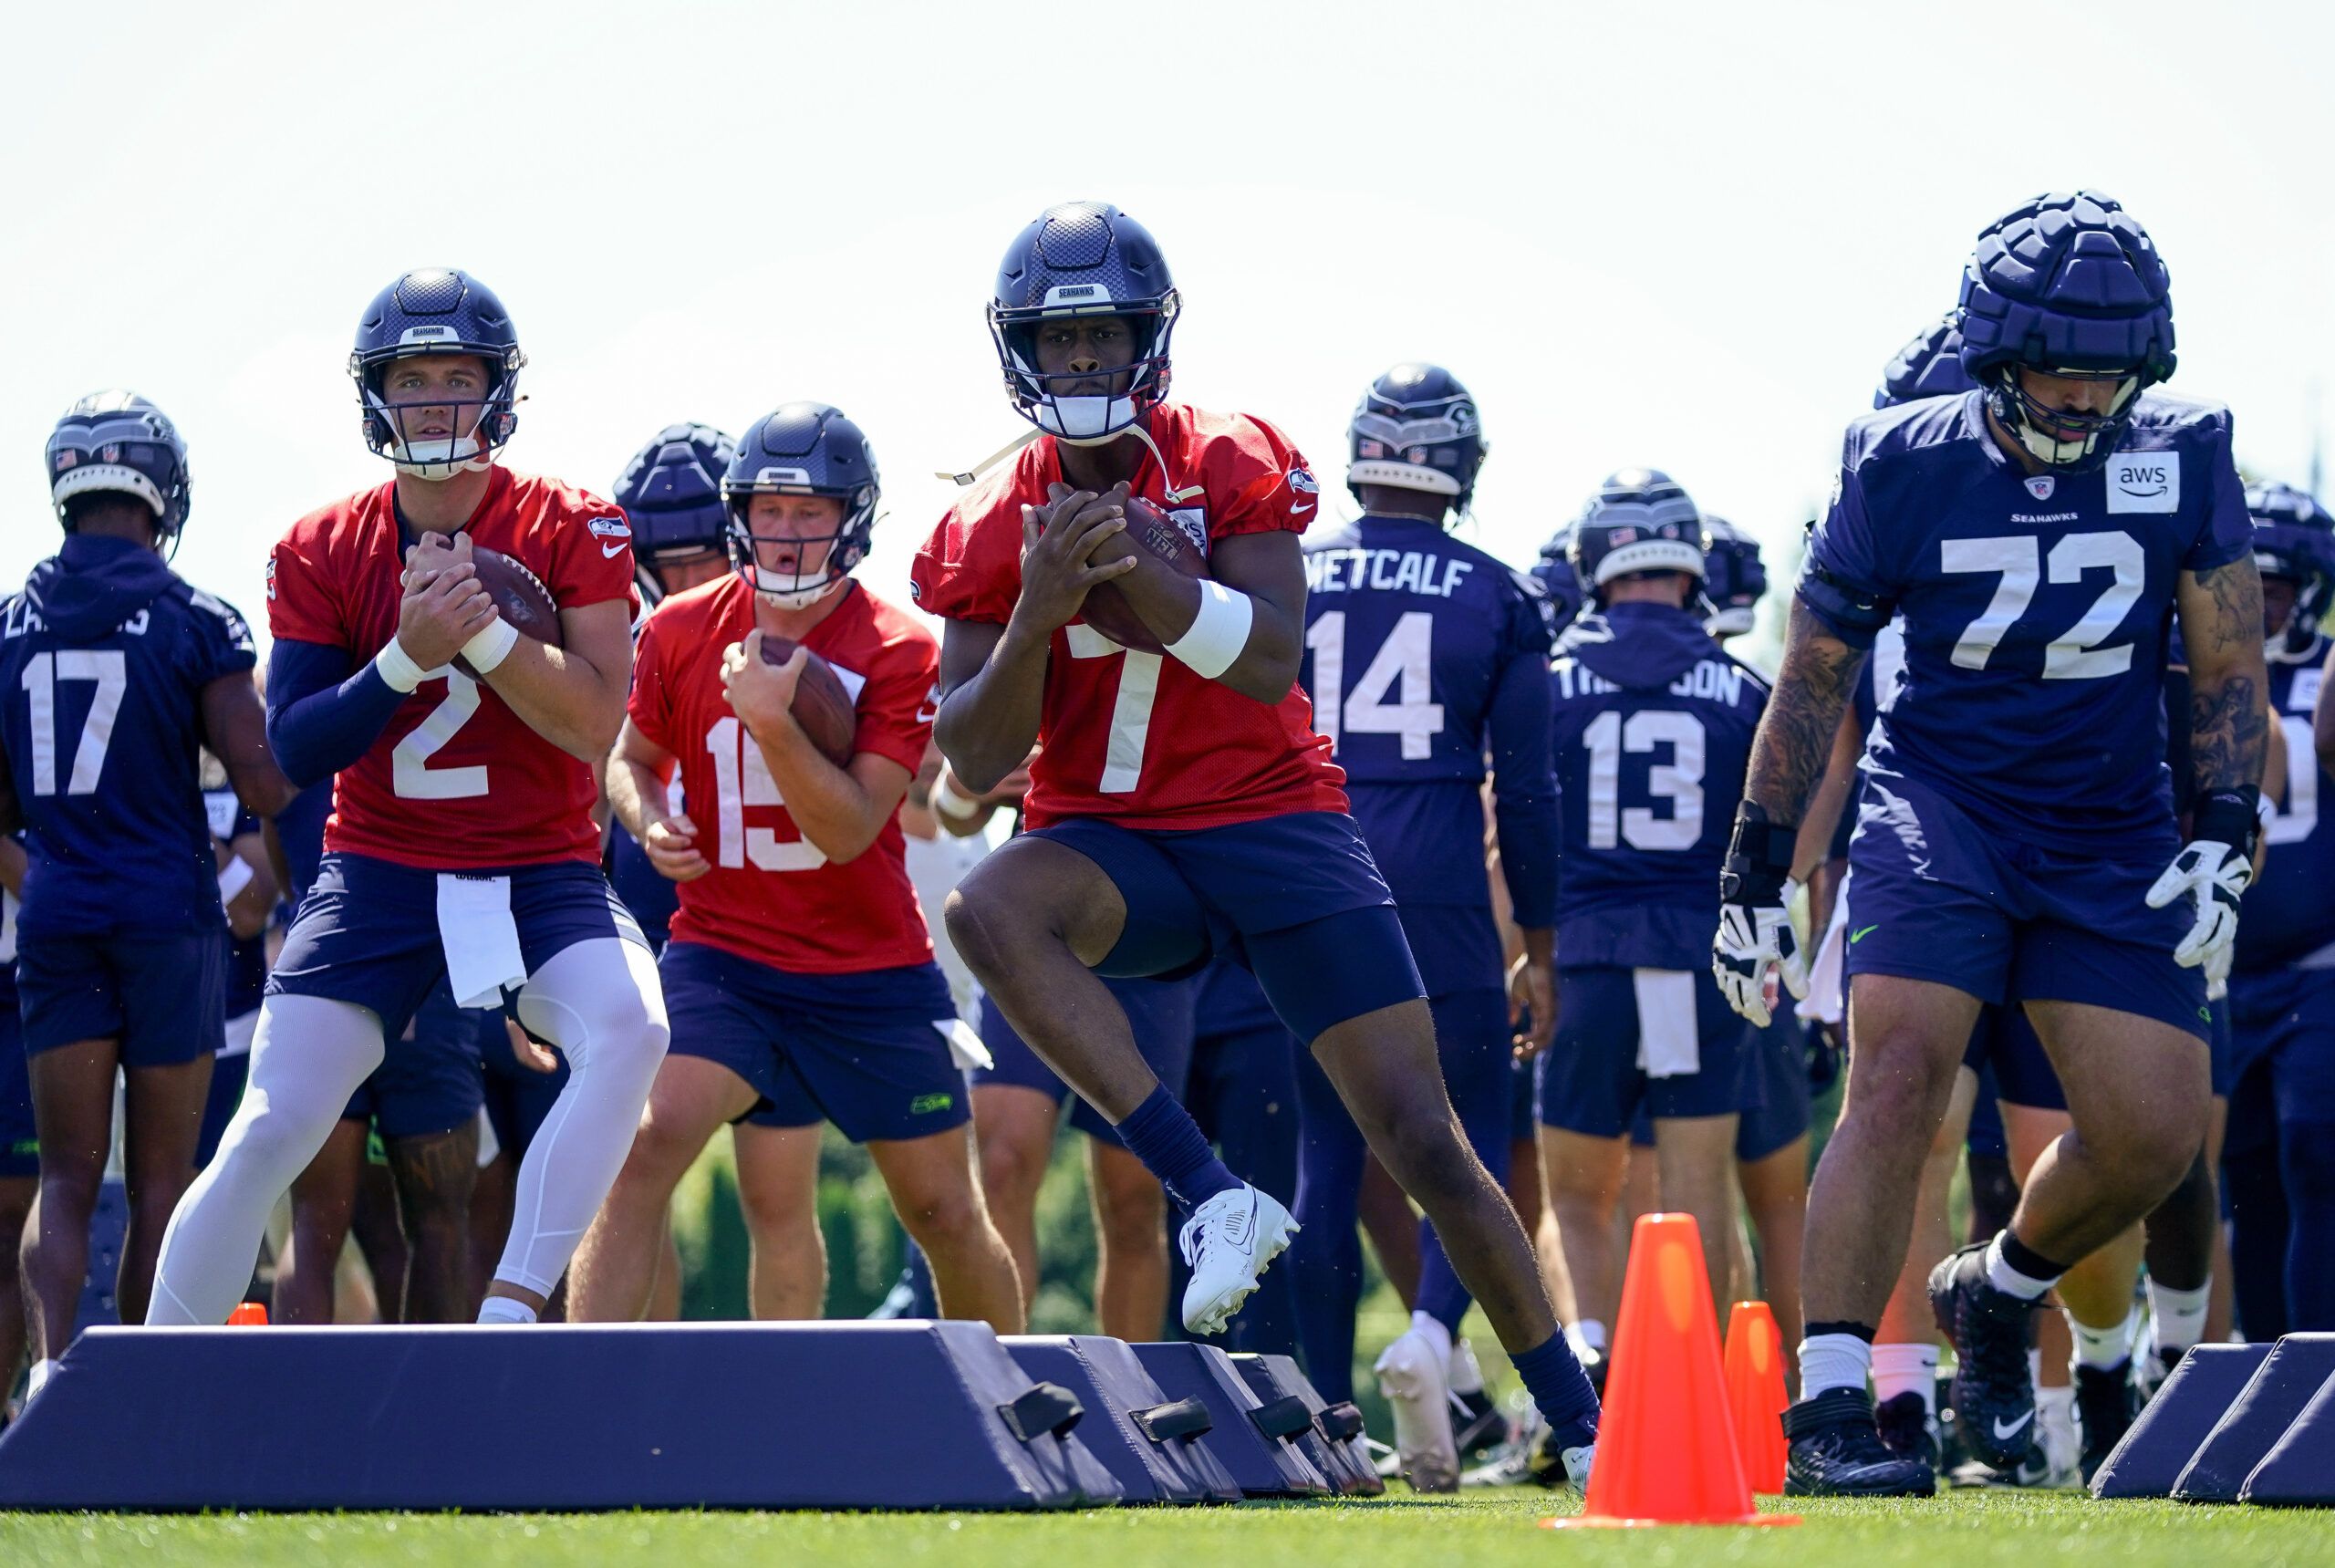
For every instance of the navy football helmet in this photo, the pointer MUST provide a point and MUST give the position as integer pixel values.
(1561, 597)
(1734, 578)
(1640, 520)
(1083, 259)
(119, 441)
(1416, 429)
(1928, 367)
(2294, 538)
(672, 491)
(2071, 285)
(439, 310)
(802, 449)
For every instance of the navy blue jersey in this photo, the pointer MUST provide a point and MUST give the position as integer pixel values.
(2291, 911)
(2035, 607)
(1423, 654)
(231, 819)
(1652, 731)
(103, 660)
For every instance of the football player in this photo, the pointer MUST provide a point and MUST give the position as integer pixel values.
(2281, 998)
(248, 893)
(1182, 800)
(462, 845)
(800, 974)
(2037, 537)
(1652, 728)
(1424, 654)
(117, 673)
(19, 1138)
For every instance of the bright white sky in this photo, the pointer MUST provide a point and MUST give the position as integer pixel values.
(1683, 235)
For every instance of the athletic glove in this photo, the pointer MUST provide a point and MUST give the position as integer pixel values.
(1756, 940)
(2214, 868)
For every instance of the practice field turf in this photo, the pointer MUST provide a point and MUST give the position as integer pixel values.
(1963, 1530)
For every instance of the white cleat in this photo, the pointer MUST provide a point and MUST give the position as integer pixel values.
(1577, 1462)
(1413, 1375)
(1228, 1242)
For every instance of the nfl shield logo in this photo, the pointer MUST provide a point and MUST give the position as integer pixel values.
(109, 453)
(2042, 486)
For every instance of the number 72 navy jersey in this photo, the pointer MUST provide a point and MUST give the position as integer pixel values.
(2035, 609)
(103, 659)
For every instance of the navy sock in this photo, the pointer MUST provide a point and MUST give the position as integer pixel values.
(1561, 1388)
(1162, 1134)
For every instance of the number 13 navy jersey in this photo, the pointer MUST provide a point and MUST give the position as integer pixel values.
(102, 665)
(1653, 733)
(1421, 653)
(2035, 609)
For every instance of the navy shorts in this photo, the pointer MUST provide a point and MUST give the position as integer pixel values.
(2005, 1047)
(2283, 1030)
(1934, 896)
(430, 1080)
(1160, 1011)
(1592, 1085)
(1775, 1090)
(228, 1077)
(868, 1052)
(20, 1138)
(366, 933)
(518, 1097)
(162, 999)
(1297, 898)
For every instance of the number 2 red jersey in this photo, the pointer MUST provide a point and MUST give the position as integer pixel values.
(1139, 738)
(457, 782)
(773, 896)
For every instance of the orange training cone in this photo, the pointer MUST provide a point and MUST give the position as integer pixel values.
(248, 1314)
(1665, 1446)
(1754, 1393)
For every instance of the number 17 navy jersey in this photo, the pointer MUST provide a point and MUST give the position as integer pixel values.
(103, 662)
(2035, 609)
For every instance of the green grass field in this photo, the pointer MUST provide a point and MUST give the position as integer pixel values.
(1965, 1530)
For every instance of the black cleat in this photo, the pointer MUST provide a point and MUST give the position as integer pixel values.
(1837, 1452)
(1477, 1425)
(1905, 1424)
(1994, 1392)
(2105, 1407)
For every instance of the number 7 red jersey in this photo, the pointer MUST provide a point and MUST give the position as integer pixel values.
(457, 782)
(1138, 738)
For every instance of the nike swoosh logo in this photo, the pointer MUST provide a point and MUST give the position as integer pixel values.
(1860, 936)
(1296, 507)
(2003, 1432)
(609, 552)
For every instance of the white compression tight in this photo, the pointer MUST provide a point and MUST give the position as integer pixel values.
(308, 1057)
(598, 1001)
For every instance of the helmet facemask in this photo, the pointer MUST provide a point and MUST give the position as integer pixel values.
(1085, 419)
(2061, 440)
(481, 425)
(846, 547)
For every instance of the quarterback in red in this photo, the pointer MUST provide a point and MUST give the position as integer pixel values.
(1185, 803)
(462, 845)
(800, 975)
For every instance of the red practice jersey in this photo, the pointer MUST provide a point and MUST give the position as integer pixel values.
(457, 782)
(773, 896)
(1138, 738)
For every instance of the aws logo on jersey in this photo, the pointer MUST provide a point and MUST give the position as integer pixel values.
(2144, 482)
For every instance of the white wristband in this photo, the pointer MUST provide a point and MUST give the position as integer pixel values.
(396, 667)
(233, 879)
(491, 647)
(1217, 633)
(949, 802)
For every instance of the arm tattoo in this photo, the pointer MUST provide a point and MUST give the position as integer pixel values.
(2228, 718)
(1795, 738)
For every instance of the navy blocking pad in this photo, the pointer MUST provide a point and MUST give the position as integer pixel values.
(1156, 1449)
(2160, 1444)
(2294, 1370)
(2300, 1466)
(1263, 1465)
(1331, 1438)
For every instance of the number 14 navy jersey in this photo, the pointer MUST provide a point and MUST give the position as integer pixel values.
(103, 659)
(1421, 653)
(2035, 609)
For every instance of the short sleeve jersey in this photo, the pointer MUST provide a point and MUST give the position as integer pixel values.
(1138, 738)
(2035, 608)
(1648, 778)
(773, 897)
(456, 781)
(102, 734)
(1408, 636)
(2289, 913)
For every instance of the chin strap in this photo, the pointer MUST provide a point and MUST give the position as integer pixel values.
(993, 459)
(1136, 430)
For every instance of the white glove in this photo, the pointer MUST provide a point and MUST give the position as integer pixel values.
(2217, 965)
(1755, 945)
(2214, 874)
